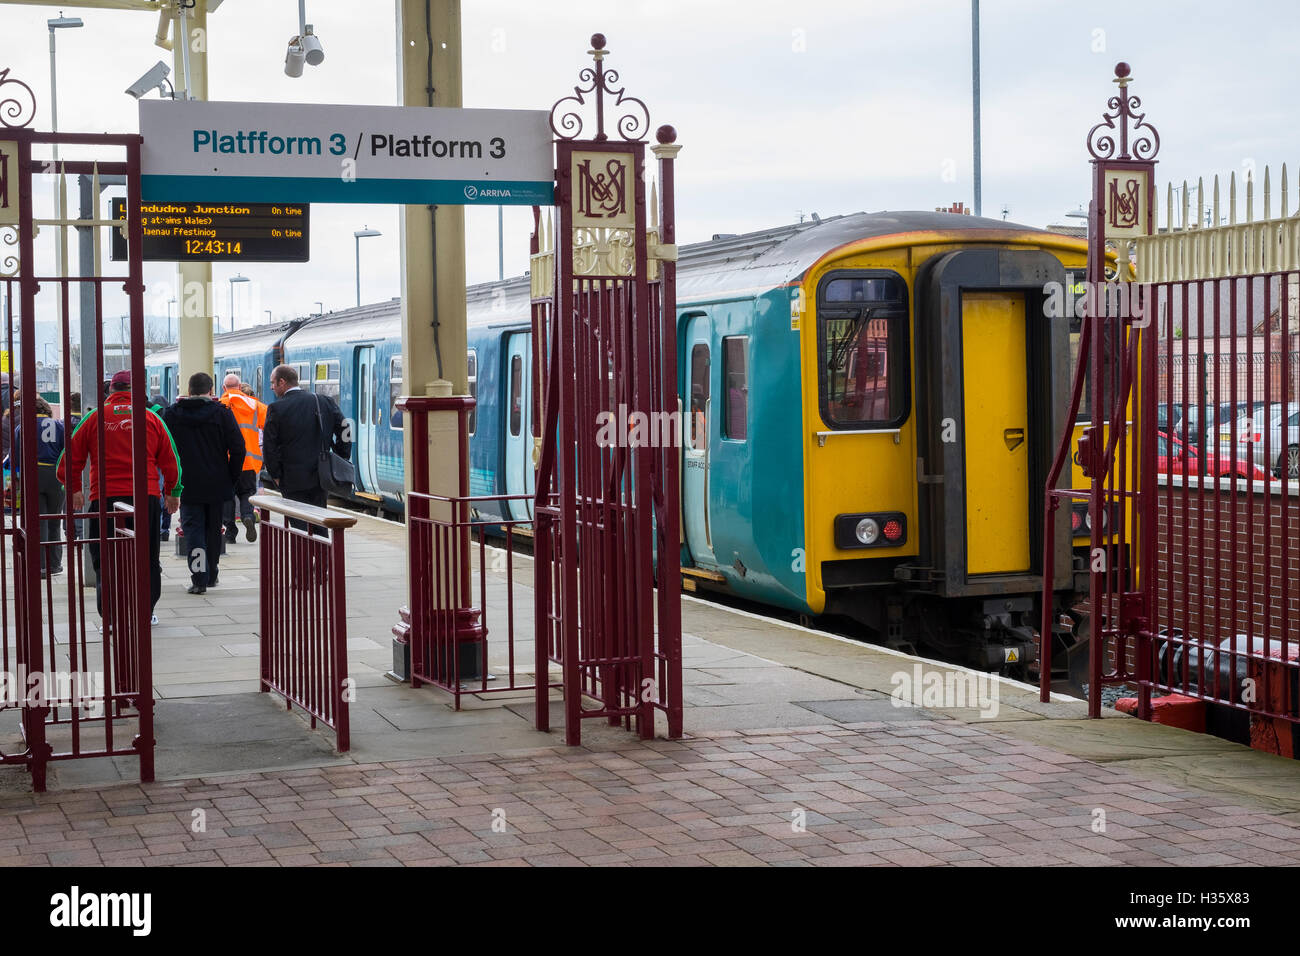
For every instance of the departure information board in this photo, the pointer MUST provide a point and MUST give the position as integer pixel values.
(218, 232)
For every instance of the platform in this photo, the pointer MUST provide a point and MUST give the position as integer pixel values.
(795, 754)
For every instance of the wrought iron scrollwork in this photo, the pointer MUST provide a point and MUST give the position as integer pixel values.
(13, 109)
(1124, 118)
(631, 117)
(8, 259)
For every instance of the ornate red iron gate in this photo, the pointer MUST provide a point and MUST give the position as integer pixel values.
(606, 347)
(79, 690)
(1195, 531)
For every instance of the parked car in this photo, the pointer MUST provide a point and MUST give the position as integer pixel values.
(1175, 458)
(1269, 436)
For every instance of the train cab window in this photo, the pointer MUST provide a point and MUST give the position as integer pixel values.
(699, 396)
(471, 370)
(863, 348)
(516, 394)
(394, 392)
(736, 380)
(326, 378)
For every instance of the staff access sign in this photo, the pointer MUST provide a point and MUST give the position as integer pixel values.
(300, 153)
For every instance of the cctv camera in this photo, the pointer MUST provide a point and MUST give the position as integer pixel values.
(294, 58)
(312, 48)
(154, 78)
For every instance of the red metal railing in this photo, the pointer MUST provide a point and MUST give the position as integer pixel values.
(52, 637)
(464, 621)
(1225, 626)
(303, 596)
(450, 623)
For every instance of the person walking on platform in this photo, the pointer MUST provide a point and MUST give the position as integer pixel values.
(250, 415)
(298, 427)
(49, 446)
(212, 454)
(160, 460)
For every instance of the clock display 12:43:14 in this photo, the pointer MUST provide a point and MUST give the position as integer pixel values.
(212, 247)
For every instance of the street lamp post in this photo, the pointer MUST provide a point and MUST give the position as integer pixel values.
(358, 236)
(170, 303)
(320, 310)
(59, 23)
(268, 316)
(233, 280)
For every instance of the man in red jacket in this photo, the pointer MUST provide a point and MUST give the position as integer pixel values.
(160, 459)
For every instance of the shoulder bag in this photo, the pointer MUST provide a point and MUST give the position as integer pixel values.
(336, 473)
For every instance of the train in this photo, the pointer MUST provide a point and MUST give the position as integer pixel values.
(874, 402)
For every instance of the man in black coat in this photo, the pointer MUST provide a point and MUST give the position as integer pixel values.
(211, 449)
(293, 440)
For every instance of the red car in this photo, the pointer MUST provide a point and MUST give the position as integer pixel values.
(1216, 465)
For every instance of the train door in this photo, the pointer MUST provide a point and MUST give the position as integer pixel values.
(363, 421)
(520, 475)
(996, 433)
(168, 384)
(696, 431)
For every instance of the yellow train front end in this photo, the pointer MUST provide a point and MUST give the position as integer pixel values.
(936, 367)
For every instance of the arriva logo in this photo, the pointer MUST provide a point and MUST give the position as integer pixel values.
(473, 192)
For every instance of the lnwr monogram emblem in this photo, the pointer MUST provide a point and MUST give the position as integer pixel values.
(1124, 204)
(604, 189)
(602, 194)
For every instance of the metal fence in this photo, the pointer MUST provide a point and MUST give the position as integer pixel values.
(303, 597)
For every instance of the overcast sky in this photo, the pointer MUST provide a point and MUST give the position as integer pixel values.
(823, 106)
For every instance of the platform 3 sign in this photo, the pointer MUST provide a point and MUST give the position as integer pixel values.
(217, 232)
(300, 153)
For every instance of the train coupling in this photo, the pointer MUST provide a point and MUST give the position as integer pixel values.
(1011, 640)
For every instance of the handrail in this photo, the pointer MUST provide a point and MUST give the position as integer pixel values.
(324, 517)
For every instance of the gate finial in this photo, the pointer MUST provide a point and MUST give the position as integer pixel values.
(11, 108)
(1124, 109)
(632, 122)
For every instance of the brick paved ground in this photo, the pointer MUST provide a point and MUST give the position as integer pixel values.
(911, 793)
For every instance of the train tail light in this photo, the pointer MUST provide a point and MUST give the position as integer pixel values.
(873, 530)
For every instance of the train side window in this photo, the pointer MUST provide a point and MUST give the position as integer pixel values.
(863, 349)
(736, 379)
(327, 379)
(699, 396)
(394, 392)
(304, 378)
(516, 394)
(471, 367)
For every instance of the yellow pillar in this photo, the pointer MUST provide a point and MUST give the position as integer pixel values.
(194, 295)
(433, 246)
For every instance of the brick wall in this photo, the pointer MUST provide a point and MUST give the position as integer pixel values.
(1206, 536)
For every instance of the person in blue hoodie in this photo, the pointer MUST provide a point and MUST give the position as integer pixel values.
(49, 438)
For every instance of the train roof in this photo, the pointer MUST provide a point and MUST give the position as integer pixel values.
(259, 338)
(375, 320)
(730, 266)
(751, 263)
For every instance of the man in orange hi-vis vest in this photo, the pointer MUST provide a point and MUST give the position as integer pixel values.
(251, 416)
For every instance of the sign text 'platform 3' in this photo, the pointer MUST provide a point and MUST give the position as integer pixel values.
(299, 153)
